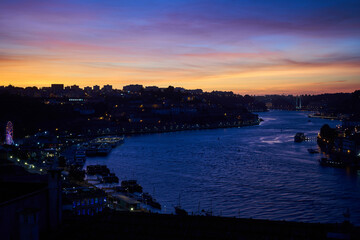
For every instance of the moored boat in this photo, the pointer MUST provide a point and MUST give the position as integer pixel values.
(102, 170)
(104, 149)
(310, 150)
(92, 150)
(299, 137)
(180, 211)
(111, 178)
(113, 141)
(98, 149)
(149, 200)
(131, 186)
(80, 157)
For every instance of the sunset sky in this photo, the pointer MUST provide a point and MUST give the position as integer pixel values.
(249, 47)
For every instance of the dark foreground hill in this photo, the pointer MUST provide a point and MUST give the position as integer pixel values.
(165, 226)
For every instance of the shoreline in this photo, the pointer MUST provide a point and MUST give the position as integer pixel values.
(176, 129)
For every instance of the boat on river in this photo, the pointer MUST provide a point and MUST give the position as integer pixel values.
(111, 178)
(91, 150)
(98, 149)
(131, 186)
(104, 149)
(149, 200)
(102, 170)
(299, 137)
(113, 141)
(179, 211)
(102, 146)
(310, 150)
(80, 157)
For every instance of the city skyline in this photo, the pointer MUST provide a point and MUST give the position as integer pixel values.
(262, 47)
(139, 87)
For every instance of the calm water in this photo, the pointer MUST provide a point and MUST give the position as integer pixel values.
(256, 172)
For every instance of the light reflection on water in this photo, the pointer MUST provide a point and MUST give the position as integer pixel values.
(256, 172)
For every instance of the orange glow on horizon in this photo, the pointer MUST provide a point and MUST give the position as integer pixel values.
(273, 79)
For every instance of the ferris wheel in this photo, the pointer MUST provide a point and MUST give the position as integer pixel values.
(9, 133)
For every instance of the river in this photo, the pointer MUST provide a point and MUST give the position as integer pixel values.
(250, 172)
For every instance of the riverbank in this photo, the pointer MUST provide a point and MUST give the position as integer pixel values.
(172, 128)
(325, 117)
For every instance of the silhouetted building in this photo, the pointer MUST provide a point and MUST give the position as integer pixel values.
(84, 201)
(195, 91)
(351, 122)
(180, 89)
(107, 88)
(57, 88)
(133, 88)
(29, 203)
(96, 88)
(351, 145)
(87, 89)
(222, 93)
(75, 87)
(151, 88)
(31, 92)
